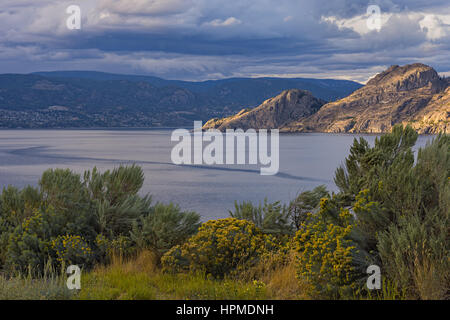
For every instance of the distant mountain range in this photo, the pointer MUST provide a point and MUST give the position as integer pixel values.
(412, 94)
(96, 99)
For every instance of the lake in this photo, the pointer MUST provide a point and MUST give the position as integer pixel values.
(306, 161)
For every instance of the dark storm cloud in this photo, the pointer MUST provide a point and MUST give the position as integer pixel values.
(200, 39)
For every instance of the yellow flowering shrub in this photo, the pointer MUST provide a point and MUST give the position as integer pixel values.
(27, 247)
(219, 248)
(121, 246)
(72, 249)
(325, 253)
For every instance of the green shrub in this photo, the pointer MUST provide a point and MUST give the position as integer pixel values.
(364, 163)
(270, 218)
(114, 185)
(416, 254)
(306, 202)
(415, 249)
(34, 222)
(115, 198)
(164, 227)
(72, 210)
(401, 209)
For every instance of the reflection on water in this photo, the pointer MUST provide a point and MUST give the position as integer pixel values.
(306, 160)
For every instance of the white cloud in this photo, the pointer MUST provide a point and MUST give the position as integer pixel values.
(231, 21)
(198, 39)
(357, 23)
(434, 26)
(148, 7)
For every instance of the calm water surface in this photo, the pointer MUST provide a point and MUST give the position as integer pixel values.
(306, 160)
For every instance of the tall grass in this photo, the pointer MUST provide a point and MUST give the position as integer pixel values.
(140, 278)
(51, 287)
(431, 279)
(390, 290)
(279, 276)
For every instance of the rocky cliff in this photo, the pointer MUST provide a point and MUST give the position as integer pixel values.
(276, 112)
(435, 117)
(411, 94)
(407, 94)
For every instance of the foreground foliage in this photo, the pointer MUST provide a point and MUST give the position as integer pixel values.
(68, 219)
(401, 209)
(326, 253)
(391, 210)
(220, 247)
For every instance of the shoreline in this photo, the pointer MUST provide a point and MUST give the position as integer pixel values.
(190, 128)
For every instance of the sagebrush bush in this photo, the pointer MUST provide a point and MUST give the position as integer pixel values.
(306, 202)
(271, 218)
(115, 199)
(417, 257)
(63, 219)
(164, 227)
(415, 249)
(401, 209)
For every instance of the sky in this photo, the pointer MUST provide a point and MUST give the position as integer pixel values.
(214, 39)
